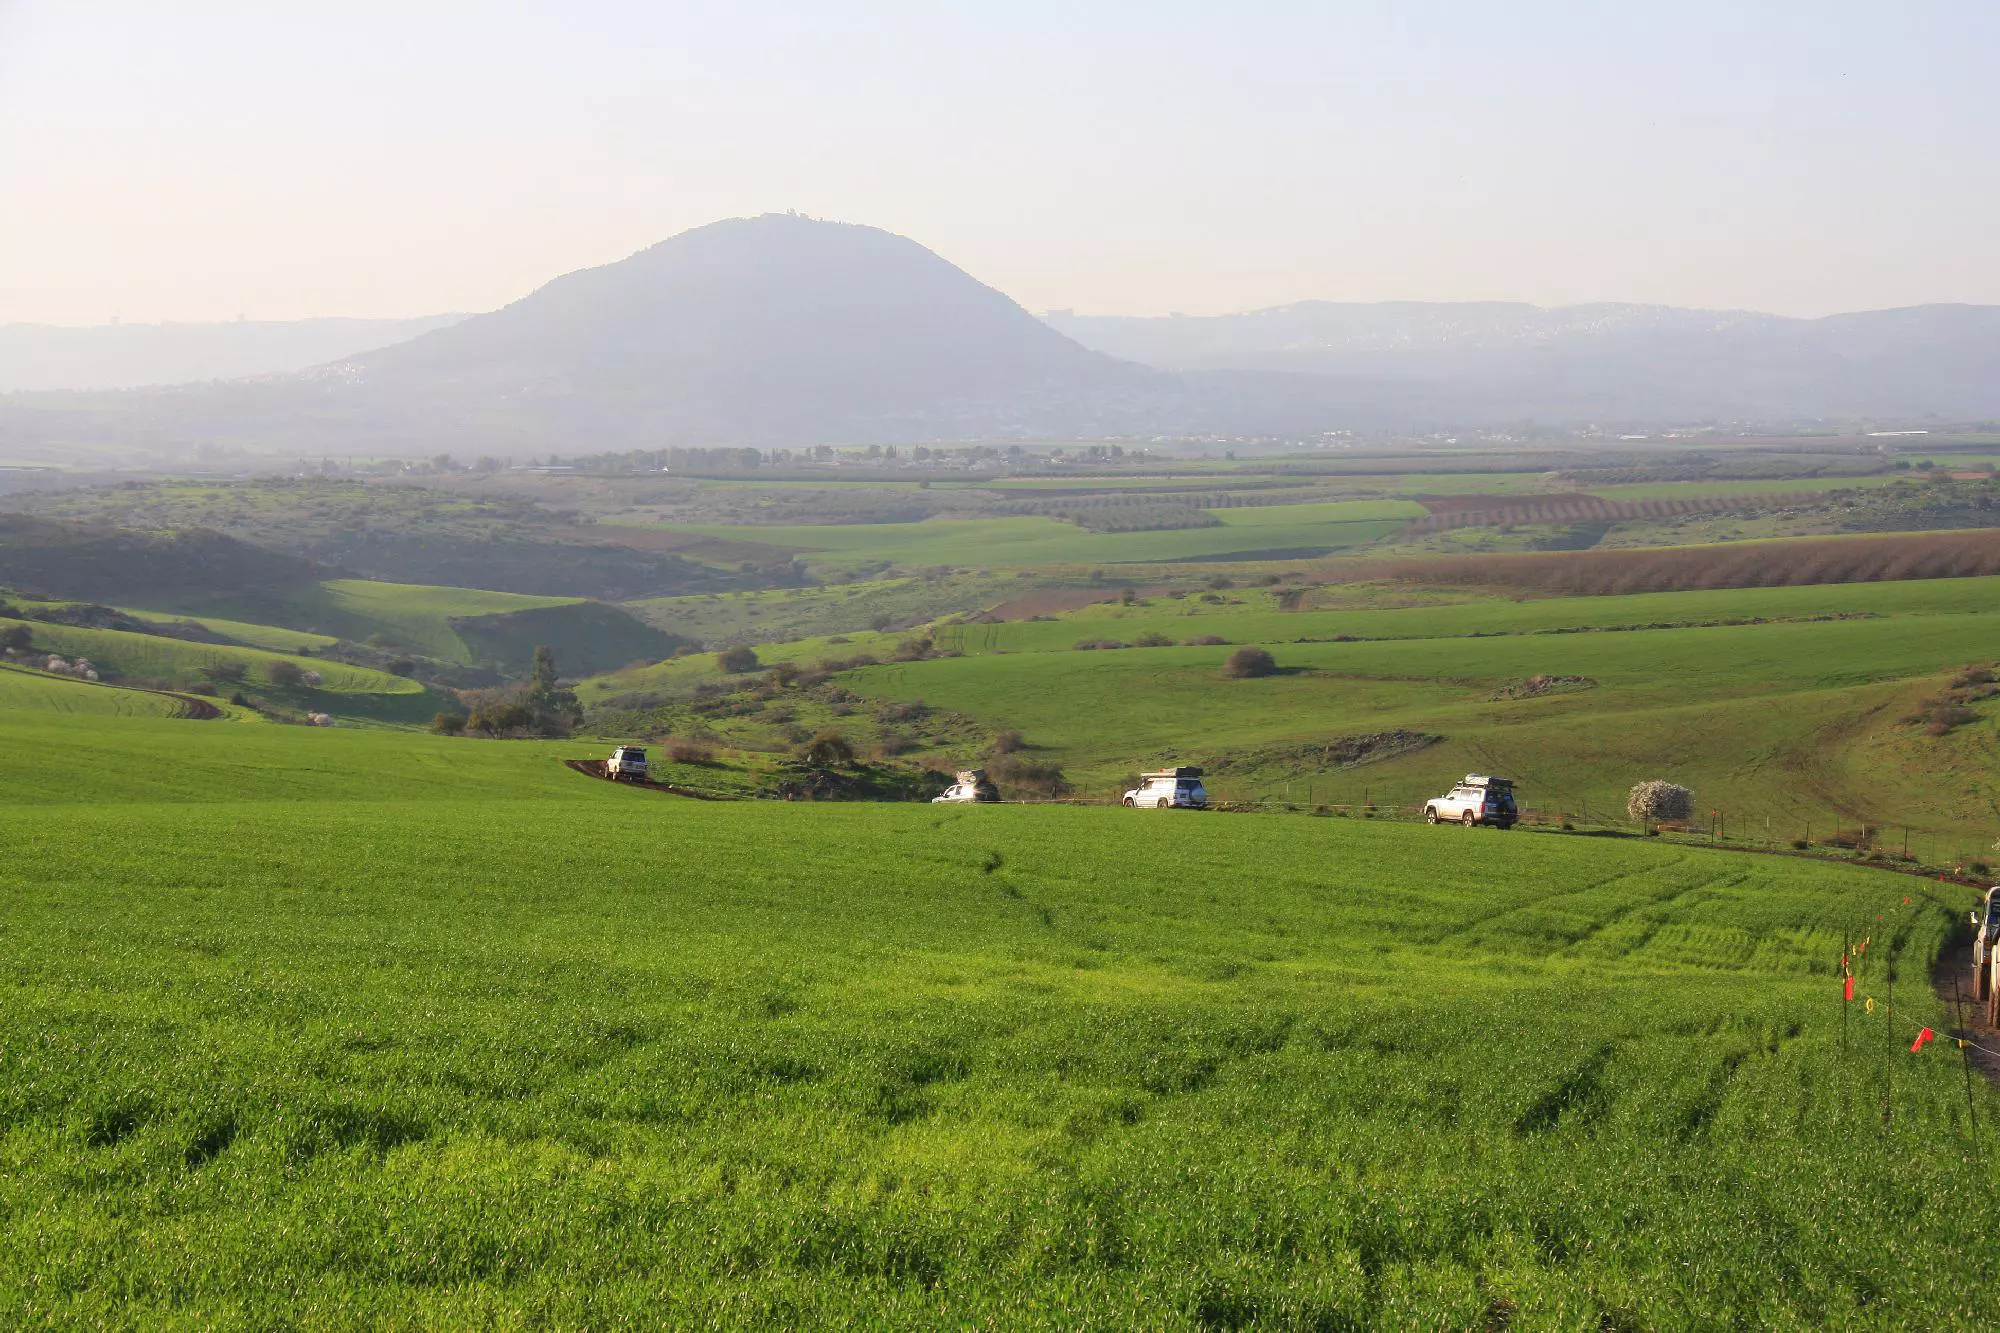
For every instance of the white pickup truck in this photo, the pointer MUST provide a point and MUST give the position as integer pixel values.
(1478, 799)
(626, 764)
(1169, 788)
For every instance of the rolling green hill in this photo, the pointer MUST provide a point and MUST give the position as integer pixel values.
(1278, 533)
(1785, 708)
(469, 626)
(395, 1027)
(343, 690)
(28, 691)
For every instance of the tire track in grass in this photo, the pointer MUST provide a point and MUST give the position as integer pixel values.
(1665, 902)
(1474, 933)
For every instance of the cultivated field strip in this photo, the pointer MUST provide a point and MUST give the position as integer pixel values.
(527, 1051)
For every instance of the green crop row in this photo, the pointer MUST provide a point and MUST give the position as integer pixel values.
(600, 1057)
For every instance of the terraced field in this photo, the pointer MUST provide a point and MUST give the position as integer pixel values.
(24, 690)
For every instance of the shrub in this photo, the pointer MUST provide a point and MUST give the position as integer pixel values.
(689, 752)
(1127, 596)
(1204, 641)
(911, 710)
(1655, 801)
(449, 724)
(286, 675)
(1007, 742)
(402, 666)
(499, 716)
(1038, 777)
(1152, 639)
(828, 749)
(1800, 844)
(737, 659)
(1092, 645)
(1247, 663)
(225, 673)
(1219, 582)
(19, 638)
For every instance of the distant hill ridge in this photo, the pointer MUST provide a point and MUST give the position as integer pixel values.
(49, 357)
(1641, 361)
(783, 330)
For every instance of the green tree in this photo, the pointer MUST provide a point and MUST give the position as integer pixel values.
(828, 749)
(553, 703)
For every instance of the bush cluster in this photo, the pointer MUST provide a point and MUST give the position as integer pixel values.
(1248, 663)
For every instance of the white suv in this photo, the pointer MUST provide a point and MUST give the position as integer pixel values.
(1168, 789)
(1477, 800)
(627, 764)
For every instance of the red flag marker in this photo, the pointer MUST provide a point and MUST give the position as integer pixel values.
(1922, 1037)
(1847, 990)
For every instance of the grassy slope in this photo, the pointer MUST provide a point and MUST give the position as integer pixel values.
(407, 615)
(421, 615)
(1246, 616)
(1782, 722)
(25, 691)
(1038, 541)
(1786, 727)
(275, 638)
(434, 1031)
(149, 655)
(820, 609)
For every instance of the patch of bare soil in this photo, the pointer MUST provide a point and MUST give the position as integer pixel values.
(1951, 978)
(1534, 687)
(1049, 601)
(594, 768)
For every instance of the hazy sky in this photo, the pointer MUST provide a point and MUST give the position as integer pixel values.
(204, 158)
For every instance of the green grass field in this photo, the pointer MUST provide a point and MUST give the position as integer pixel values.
(274, 638)
(324, 1028)
(149, 655)
(421, 616)
(1783, 707)
(1010, 542)
(29, 691)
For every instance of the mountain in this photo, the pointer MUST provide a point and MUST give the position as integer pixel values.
(775, 329)
(1495, 360)
(44, 357)
(786, 331)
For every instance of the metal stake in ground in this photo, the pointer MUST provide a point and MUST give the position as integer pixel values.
(1847, 966)
(1889, 1052)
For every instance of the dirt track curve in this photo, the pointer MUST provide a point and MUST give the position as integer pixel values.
(594, 768)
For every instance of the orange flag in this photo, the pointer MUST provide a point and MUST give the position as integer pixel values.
(1922, 1037)
(1847, 989)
